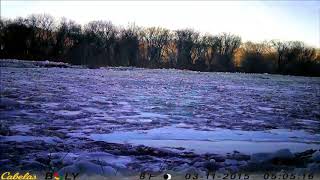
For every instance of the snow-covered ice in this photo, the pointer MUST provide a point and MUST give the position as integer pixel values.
(218, 140)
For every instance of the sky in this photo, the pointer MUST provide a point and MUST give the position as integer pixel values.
(252, 20)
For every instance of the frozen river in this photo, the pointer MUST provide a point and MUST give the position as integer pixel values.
(116, 110)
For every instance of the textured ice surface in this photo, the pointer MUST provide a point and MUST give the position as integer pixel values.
(29, 138)
(105, 99)
(204, 112)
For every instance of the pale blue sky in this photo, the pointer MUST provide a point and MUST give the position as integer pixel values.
(252, 20)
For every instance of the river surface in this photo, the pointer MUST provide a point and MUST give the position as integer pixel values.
(73, 110)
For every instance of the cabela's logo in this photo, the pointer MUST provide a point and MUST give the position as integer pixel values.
(18, 176)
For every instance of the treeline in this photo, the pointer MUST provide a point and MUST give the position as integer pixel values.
(100, 43)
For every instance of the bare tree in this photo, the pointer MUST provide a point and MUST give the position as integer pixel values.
(67, 36)
(185, 42)
(257, 57)
(202, 52)
(226, 46)
(281, 48)
(100, 37)
(42, 38)
(156, 39)
(128, 45)
(170, 54)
